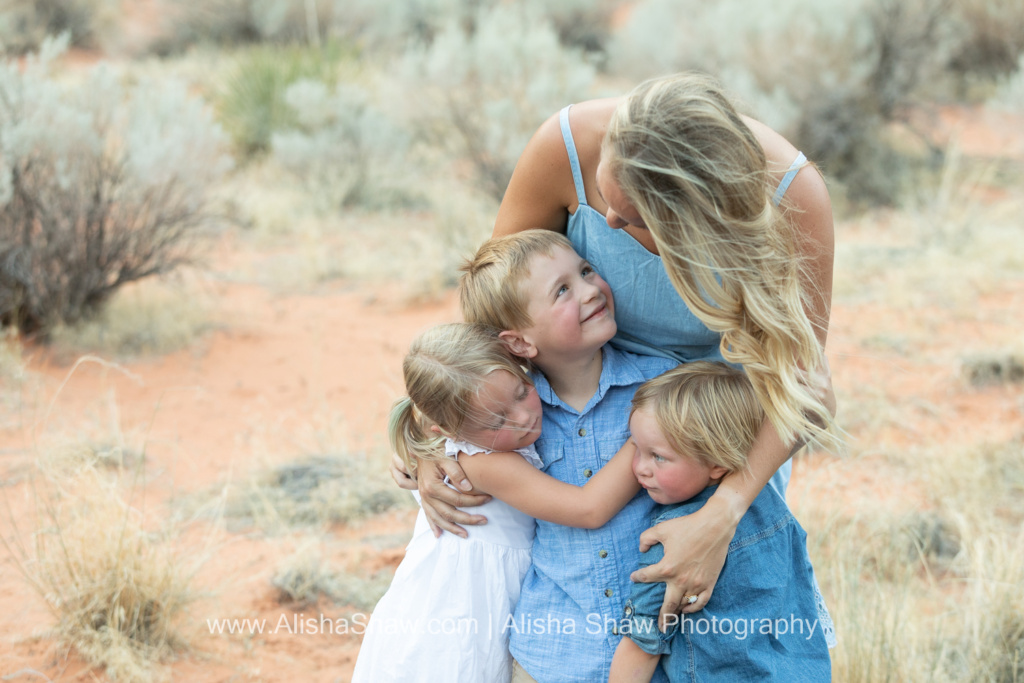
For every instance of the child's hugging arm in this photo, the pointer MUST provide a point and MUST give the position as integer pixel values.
(643, 644)
(631, 664)
(510, 478)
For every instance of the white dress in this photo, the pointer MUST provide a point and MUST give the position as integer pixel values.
(443, 620)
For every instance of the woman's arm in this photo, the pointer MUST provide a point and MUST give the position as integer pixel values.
(510, 478)
(540, 193)
(696, 546)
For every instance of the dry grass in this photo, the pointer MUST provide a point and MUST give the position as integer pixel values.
(949, 244)
(304, 577)
(923, 578)
(151, 318)
(314, 491)
(117, 589)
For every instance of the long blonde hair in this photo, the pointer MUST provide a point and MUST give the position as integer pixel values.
(708, 410)
(699, 178)
(443, 371)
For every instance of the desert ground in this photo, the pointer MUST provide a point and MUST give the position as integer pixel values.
(250, 460)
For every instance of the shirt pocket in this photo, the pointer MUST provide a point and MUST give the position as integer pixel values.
(550, 451)
(608, 447)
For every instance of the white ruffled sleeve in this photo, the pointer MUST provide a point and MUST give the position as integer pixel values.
(452, 448)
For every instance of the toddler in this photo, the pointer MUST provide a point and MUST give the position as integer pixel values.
(691, 426)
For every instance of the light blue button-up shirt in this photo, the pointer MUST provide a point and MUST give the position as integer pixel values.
(565, 628)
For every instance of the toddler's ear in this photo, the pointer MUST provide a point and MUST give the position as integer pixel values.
(518, 344)
(717, 471)
(435, 429)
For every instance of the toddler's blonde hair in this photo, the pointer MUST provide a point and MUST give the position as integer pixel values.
(490, 287)
(707, 410)
(443, 371)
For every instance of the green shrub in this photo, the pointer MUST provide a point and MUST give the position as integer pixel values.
(251, 104)
(120, 194)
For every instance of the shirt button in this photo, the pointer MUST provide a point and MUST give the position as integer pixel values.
(582, 432)
(607, 592)
(629, 611)
(615, 630)
(602, 554)
(588, 473)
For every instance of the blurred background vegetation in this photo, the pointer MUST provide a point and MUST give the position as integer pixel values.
(337, 109)
(370, 141)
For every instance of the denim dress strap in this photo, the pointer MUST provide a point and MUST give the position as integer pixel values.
(794, 168)
(574, 158)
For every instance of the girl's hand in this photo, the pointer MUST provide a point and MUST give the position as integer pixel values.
(695, 549)
(439, 501)
(400, 475)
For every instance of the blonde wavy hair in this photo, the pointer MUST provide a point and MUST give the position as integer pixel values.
(490, 287)
(704, 409)
(443, 371)
(699, 179)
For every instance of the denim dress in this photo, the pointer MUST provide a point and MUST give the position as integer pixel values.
(652, 319)
(762, 622)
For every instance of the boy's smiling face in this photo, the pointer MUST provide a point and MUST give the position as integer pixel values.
(570, 306)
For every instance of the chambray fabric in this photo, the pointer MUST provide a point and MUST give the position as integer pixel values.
(579, 579)
(767, 576)
(652, 318)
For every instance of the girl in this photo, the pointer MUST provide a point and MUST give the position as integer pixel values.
(446, 616)
(691, 427)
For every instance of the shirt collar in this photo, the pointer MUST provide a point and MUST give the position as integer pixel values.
(618, 369)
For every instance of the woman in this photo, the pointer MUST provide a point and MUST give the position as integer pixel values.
(702, 264)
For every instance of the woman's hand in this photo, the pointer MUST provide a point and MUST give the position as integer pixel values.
(695, 549)
(438, 500)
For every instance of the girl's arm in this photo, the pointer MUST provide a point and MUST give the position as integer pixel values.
(631, 664)
(510, 478)
(696, 546)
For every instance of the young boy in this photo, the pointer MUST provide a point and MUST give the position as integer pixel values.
(558, 313)
(692, 426)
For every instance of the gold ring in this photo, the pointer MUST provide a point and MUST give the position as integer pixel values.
(690, 599)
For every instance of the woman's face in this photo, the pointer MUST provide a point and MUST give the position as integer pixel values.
(620, 212)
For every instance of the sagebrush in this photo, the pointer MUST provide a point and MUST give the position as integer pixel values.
(121, 194)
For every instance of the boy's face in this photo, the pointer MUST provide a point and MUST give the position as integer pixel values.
(570, 305)
(668, 475)
(505, 414)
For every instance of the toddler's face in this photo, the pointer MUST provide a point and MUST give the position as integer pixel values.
(571, 306)
(668, 475)
(505, 415)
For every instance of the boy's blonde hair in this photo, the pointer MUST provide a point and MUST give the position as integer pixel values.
(707, 410)
(443, 372)
(697, 175)
(490, 287)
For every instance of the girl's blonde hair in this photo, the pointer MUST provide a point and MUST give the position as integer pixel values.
(698, 176)
(490, 287)
(707, 410)
(443, 372)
